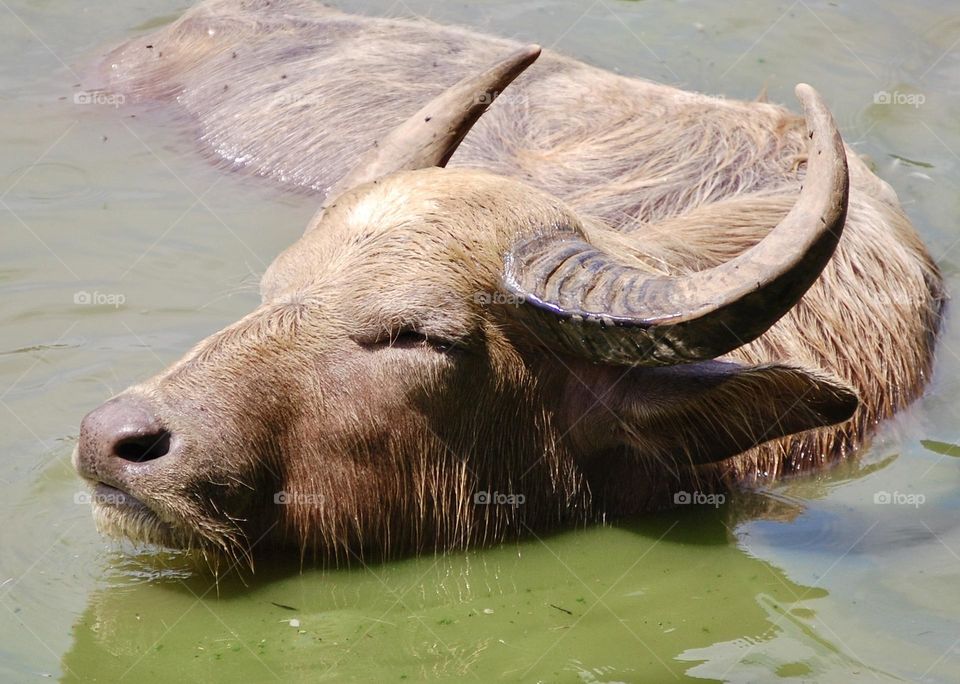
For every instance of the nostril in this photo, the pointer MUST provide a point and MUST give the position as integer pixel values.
(143, 447)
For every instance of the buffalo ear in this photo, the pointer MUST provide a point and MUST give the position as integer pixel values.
(705, 412)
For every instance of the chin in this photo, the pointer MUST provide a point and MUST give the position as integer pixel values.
(122, 516)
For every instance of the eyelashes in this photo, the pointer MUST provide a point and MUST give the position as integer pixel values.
(416, 338)
(411, 338)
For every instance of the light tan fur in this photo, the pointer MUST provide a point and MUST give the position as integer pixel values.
(324, 390)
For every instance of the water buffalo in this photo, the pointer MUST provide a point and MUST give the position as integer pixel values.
(614, 292)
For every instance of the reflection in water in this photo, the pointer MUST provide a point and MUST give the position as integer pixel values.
(795, 645)
(656, 598)
(615, 602)
(944, 448)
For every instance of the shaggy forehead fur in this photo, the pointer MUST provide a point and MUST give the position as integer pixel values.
(669, 181)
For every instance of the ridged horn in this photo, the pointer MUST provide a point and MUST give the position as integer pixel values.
(660, 320)
(432, 135)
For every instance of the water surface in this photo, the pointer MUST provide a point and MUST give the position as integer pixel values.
(121, 247)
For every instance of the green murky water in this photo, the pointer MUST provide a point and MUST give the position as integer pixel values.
(121, 247)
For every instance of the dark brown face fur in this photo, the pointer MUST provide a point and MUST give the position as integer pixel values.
(363, 405)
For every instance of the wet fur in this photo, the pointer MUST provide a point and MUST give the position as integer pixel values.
(672, 181)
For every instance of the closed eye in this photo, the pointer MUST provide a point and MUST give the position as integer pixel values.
(411, 338)
(415, 338)
(408, 338)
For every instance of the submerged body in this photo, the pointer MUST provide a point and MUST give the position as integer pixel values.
(387, 444)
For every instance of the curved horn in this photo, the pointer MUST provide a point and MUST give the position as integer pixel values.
(432, 135)
(659, 320)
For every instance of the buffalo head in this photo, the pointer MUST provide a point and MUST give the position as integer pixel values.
(441, 333)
